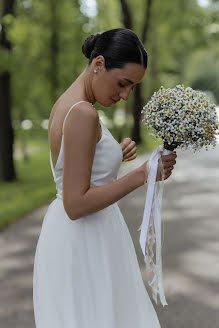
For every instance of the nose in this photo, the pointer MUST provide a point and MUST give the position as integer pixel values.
(125, 94)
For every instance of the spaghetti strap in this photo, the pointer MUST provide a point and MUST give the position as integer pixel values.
(51, 163)
(69, 112)
(62, 141)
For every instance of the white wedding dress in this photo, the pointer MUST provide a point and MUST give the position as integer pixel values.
(86, 273)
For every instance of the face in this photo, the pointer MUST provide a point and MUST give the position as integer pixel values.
(111, 86)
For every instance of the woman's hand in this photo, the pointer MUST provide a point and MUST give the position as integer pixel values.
(167, 162)
(129, 149)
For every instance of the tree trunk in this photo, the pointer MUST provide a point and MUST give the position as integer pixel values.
(137, 114)
(146, 25)
(7, 169)
(137, 106)
(127, 17)
(54, 50)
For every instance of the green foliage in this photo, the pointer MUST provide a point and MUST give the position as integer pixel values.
(176, 36)
(182, 44)
(35, 187)
(30, 34)
(172, 39)
(202, 71)
(109, 15)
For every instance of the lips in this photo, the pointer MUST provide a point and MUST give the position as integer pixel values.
(115, 101)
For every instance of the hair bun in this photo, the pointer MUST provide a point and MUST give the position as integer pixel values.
(89, 44)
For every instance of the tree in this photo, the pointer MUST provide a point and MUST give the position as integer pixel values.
(54, 48)
(7, 170)
(128, 23)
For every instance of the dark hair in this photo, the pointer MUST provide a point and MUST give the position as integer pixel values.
(118, 47)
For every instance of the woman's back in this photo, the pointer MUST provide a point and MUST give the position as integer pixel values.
(56, 119)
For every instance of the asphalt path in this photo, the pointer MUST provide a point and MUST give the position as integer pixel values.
(190, 217)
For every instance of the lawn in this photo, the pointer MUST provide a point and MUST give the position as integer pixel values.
(34, 186)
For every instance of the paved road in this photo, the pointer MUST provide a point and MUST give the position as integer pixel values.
(191, 240)
(190, 249)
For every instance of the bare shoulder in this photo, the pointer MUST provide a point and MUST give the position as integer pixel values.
(83, 115)
(85, 109)
(61, 110)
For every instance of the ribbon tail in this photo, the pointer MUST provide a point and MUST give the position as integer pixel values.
(157, 225)
(151, 229)
(149, 200)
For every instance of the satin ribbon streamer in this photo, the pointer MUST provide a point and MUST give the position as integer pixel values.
(152, 212)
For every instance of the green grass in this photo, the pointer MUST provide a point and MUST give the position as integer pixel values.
(35, 186)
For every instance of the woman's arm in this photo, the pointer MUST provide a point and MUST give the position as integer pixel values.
(80, 137)
(98, 197)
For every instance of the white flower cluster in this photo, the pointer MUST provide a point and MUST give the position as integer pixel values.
(182, 117)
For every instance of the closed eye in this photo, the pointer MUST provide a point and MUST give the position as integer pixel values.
(121, 85)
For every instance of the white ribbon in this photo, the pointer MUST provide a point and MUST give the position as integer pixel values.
(151, 226)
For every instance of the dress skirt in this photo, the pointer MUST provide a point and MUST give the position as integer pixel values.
(86, 273)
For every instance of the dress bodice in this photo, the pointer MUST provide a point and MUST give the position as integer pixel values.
(106, 163)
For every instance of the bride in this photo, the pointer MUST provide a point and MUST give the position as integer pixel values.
(86, 273)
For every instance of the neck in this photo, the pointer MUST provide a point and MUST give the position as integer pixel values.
(84, 84)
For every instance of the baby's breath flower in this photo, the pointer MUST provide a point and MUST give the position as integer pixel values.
(183, 117)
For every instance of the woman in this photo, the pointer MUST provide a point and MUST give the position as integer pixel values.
(86, 273)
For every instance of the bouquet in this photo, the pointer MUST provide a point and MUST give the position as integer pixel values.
(183, 118)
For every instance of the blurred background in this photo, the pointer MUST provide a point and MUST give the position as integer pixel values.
(40, 56)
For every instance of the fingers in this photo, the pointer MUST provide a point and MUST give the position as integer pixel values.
(166, 165)
(166, 174)
(168, 170)
(129, 146)
(131, 158)
(167, 158)
(129, 151)
(125, 143)
(168, 161)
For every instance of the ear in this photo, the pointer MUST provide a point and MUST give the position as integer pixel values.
(99, 63)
